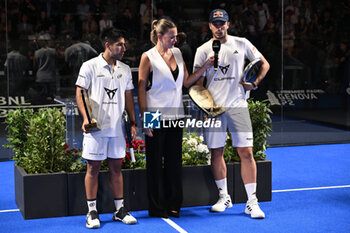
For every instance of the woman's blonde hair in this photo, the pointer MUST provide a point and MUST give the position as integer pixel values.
(160, 27)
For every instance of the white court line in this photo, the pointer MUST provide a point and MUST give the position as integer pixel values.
(174, 225)
(315, 188)
(4, 211)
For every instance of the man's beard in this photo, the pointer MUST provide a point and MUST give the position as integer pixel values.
(220, 37)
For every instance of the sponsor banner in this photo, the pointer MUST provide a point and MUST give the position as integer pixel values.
(292, 97)
(11, 103)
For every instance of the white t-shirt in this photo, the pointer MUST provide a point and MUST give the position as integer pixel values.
(224, 84)
(106, 90)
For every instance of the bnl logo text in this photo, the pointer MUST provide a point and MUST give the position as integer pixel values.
(151, 120)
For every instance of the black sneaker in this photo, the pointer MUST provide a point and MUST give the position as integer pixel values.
(123, 216)
(92, 220)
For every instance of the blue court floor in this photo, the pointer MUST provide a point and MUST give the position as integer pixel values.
(311, 193)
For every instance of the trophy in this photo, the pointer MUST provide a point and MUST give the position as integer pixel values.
(92, 126)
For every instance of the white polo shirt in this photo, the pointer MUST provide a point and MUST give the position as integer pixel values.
(106, 89)
(224, 84)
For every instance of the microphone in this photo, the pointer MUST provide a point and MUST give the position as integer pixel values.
(216, 48)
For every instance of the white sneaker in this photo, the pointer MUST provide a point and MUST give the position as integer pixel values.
(92, 220)
(253, 209)
(223, 203)
(123, 216)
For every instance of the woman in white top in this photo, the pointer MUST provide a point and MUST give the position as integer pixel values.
(162, 72)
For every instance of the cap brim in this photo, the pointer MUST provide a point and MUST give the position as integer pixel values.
(218, 19)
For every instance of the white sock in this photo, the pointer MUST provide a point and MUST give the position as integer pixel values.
(251, 190)
(91, 204)
(222, 186)
(118, 202)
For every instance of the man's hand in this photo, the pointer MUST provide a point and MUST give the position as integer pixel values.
(133, 131)
(247, 86)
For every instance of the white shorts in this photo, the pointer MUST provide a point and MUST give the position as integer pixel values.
(100, 148)
(237, 121)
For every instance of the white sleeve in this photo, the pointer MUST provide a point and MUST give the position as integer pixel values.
(199, 60)
(251, 51)
(84, 77)
(129, 85)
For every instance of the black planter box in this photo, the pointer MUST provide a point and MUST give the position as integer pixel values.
(63, 194)
(135, 192)
(41, 195)
(199, 188)
(264, 182)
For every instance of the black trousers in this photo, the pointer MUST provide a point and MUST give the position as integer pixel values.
(164, 174)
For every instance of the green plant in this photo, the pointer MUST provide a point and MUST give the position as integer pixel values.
(261, 122)
(37, 138)
(194, 152)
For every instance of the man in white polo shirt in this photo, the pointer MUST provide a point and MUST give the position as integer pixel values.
(108, 83)
(229, 91)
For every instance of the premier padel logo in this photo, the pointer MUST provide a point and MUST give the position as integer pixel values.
(224, 69)
(111, 93)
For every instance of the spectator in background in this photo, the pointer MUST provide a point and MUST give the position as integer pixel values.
(263, 15)
(327, 27)
(97, 9)
(83, 9)
(306, 11)
(301, 29)
(49, 7)
(67, 25)
(269, 32)
(25, 28)
(28, 7)
(3, 26)
(294, 11)
(17, 66)
(288, 33)
(44, 24)
(132, 54)
(250, 22)
(89, 25)
(187, 54)
(146, 15)
(236, 26)
(111, 7)
(76, 55)
(105, 22)
(204, 35)
(45, 67)
(127, 22)
(314, 28)
(342, 59)
(161, 14)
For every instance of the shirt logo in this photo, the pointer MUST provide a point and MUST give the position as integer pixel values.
(235, 52)
(119, 75)
(111, 93)
(224, 69)
(151, 120)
